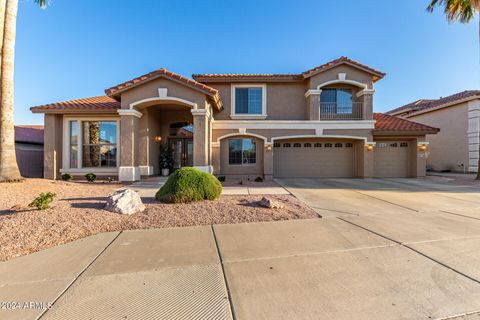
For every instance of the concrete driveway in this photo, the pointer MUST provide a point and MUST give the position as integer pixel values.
(385, 249)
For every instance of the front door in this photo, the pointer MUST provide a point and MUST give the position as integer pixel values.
(182, 152)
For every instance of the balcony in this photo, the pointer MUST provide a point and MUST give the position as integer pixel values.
(337, 111)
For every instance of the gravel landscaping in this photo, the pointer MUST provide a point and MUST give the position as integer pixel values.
(77, 212)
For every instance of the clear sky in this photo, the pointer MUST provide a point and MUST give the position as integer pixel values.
(76, 49)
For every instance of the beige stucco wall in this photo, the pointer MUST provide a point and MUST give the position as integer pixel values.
(449, 147)
(53, 136)
(332, 74)
(150, 90)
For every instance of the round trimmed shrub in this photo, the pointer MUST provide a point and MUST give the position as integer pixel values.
(188, 185)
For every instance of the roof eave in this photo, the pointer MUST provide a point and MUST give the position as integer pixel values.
(72, 111)
(377, 75)
(443, 106)
(404, 132)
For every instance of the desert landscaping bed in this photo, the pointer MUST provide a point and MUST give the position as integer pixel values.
(77, 212)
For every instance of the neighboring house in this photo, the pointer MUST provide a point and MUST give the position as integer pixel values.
(455, 147)
(319, 123)
(29, 150)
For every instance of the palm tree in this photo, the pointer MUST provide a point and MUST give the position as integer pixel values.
(8, 22)
(463, 11)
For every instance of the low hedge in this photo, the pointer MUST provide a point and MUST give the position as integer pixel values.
(188, 185)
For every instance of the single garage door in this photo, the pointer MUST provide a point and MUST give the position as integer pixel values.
(391, 159)
(313, 159)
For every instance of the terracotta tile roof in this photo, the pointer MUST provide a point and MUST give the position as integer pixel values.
(208, 77)
(425, 104)
(341, 60)
(29, 134)
(101, 103)
(162, 72)
(284, 77)
(389, 123)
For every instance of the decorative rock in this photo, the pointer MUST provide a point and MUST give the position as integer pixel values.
(124, 202)
(271, 204)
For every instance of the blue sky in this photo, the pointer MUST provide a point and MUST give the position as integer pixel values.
(76, 49)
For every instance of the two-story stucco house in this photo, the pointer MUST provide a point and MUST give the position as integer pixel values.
(319, 123)
(456, 146)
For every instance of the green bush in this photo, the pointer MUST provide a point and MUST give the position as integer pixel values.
(221, 178)
(189, 184)
(42, 202)
(91, 177)
(258, 179)
(67, 177)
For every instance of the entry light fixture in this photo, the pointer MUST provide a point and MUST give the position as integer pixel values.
(269, 147)
(369, 145)
(157, 139)
(422, 146)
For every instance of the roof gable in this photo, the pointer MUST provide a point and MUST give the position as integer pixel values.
(162, 72)
(424, 105)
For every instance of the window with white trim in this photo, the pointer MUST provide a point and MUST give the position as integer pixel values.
(242, 151)
(91, 144)
(248, 100)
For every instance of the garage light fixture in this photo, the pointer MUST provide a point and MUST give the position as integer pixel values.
(269, 147)
(369, 145)
(422, 146)
(157, 139)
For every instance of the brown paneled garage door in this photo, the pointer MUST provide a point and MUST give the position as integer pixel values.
(391, 159)
(313, 159)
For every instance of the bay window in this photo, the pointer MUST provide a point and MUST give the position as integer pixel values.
(92, 144)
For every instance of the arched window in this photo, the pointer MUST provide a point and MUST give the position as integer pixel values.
(276, 145)
(328, 145)
(394, 145)
(297, 145)
(286, 145)
(318, 145)
(307, 145)
(403, 144)
(348, 145)
(338, 145)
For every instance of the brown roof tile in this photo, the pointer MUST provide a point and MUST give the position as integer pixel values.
(341, 60)
(425, 104)
(162, 72)
(389, 123)
(209, 77)
(101, 103)
(246, 76)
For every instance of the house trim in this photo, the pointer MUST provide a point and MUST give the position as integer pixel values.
(294, 124)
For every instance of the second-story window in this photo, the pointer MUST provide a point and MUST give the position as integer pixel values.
(248, 100)
(337, 101)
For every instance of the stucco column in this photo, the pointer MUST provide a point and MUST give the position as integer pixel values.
(201, 136)
(268, 161)
(52, 149)
(473, 133)
(313, 104)
(367, 96)
(129, 169)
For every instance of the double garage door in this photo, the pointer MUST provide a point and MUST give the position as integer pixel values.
(336, 159)
(313, 159)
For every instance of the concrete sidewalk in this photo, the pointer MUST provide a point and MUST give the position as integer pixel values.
(302, 269)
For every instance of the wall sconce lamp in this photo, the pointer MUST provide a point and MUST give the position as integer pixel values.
(157, 139)
(422, 146)
(369, 145)
(269, 147)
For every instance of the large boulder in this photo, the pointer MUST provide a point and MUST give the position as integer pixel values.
(124, 202)
(270, 203)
